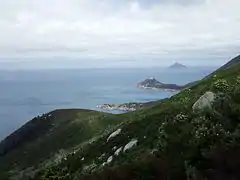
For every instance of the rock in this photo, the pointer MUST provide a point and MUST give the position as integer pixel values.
(115, 133)
(117, 152)
(204, 102)
(102, 156)
(103, 164)
(129, 145)
(109, 160)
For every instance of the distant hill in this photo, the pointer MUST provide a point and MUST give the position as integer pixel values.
(177, 65)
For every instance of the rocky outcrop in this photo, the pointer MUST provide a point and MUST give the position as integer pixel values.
(204, 102)
(152, 83)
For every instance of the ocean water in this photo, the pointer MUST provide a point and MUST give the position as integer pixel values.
(25, 94)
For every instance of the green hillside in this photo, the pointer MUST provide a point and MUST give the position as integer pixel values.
(40, 141)
(194, 135)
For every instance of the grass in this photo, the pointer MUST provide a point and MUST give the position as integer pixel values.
(41, 138)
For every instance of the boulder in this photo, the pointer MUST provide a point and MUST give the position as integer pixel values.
(114, 134)
(117, 152)
(204, 102)
(131, 144)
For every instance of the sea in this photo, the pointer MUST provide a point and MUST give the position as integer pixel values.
(25, 94)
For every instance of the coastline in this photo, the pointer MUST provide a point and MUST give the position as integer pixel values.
(133, 106)
(129, 107)
(158, 89)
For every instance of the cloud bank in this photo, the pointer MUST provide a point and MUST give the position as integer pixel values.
(113, 29)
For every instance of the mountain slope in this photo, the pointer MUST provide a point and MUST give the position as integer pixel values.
(44, 137)
(189, 136)
(234, 62)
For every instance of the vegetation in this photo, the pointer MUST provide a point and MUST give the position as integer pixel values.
(172, 141)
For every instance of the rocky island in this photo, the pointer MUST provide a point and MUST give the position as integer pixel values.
(177, 65)
(152, 83)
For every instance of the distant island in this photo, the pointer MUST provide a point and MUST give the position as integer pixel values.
(152, 83)
(177, 65)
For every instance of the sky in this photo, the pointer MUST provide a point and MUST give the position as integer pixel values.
(116, 33)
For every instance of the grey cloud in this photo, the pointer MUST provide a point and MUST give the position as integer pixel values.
(119, 29)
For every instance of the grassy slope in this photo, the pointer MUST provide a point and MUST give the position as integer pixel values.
(173, 141)
(42, 137)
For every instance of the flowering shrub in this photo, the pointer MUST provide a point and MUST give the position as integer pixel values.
(221, 85)
(181, 117)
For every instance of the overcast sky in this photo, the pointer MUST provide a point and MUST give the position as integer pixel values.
(118, 32)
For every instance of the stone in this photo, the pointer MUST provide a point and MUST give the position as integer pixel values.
(204, 102)
(129, 145)
(109, 160)
(114, 134)
(117, 152)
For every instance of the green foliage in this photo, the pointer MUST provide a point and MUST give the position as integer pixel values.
(221, 85)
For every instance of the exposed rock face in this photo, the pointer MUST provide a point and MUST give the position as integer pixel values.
(152, 83)
(204, 102)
